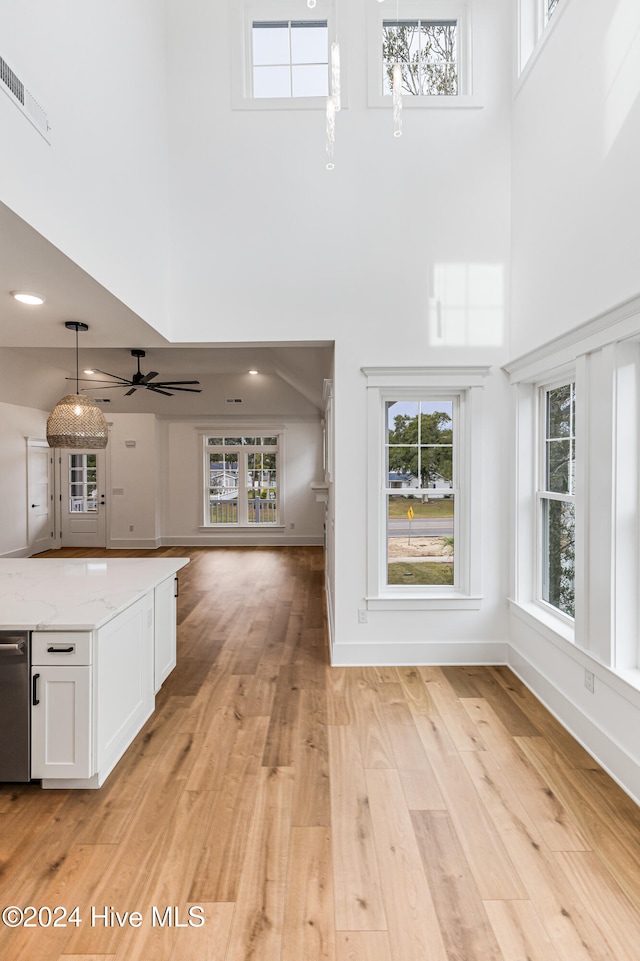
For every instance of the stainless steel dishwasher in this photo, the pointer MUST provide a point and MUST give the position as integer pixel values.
(15, 706)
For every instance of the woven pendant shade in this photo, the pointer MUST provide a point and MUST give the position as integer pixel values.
(76, 421)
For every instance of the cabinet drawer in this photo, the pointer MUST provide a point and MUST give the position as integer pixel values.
(60, 647)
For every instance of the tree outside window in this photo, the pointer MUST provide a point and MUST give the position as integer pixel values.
(420, 492)
(428, 53)
(557, 499)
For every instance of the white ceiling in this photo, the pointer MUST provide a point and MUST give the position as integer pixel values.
(290, 376)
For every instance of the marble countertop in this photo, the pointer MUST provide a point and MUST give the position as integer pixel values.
(75, 593)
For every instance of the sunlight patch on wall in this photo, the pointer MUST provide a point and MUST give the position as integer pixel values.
(621, 69)
(467, 305)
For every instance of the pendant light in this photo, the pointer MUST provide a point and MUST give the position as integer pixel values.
(76, 421)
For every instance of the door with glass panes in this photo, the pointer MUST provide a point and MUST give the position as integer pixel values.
(82, 498)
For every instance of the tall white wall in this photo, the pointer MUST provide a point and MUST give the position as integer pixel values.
(98, 191)
(576, 149)
(276, 246)
(268, 244)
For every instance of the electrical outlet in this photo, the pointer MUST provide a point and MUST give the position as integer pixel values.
(362, 615)
(589, 681)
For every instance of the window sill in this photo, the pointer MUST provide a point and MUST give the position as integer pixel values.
(440, 602)
(554, 628)
(460, 102)
(241, 527)
(280, 103)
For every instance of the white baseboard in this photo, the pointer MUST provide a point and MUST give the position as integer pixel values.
(613, 757)
(244, 540)
(139, 544)
(419, 652)
(22, 552)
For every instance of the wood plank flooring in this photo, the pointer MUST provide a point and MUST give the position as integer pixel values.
(324, 814)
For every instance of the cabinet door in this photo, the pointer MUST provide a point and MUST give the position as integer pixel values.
(61, 722)
(165, 630)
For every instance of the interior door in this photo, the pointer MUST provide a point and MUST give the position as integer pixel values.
(82, 498)
(40, 514)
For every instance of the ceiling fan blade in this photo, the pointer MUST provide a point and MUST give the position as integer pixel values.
(172, 383)
(105, 385)
(190, 390)
(122, 380)
(147, 377)
(129, 392)
(92, 380)
(157, 390)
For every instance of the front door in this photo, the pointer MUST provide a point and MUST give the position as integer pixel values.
(41, 523)
(83, 508)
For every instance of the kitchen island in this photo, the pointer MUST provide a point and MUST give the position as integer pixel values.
(103, 639)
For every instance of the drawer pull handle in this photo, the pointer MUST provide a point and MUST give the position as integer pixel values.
(60, 650)
(35, 698)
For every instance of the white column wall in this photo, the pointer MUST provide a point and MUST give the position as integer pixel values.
(576, 145)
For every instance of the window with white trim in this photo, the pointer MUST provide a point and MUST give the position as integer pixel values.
(535, 20)
(290, 58)
(431, 40)
(280, 55)
(421, 487)
(556, 497)
(427, 51)
(424, 487)
(549, 7)
(241, 480)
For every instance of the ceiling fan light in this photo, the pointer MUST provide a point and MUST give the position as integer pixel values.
(77, 422)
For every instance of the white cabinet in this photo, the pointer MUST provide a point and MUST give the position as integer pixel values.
(61, 684)
(91, 694)
(123, 682)
(94, 686)
(165, 630)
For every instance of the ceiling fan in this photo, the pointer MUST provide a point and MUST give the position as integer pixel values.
(142, 381)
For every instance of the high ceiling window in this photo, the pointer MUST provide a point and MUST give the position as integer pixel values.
(290, 58)
(428, 53)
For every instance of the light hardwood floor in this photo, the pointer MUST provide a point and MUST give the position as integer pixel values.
(342, 814)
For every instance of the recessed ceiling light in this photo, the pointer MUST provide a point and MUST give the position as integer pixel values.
(253, 371)
(90, 370)
(25, 297)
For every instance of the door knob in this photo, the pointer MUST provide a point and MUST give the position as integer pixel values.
(35, 505)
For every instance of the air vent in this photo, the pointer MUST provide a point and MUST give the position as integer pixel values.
(102, 400)
(16, 90)
(233, 400)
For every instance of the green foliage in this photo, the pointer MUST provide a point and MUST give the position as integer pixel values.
(423, 572)
(424, 446)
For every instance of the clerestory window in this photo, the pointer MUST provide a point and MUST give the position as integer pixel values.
(431, 41)
(290, 58)
(427, 51)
